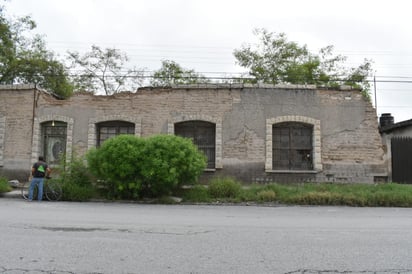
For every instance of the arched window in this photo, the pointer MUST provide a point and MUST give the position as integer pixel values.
(203, 135)
(54, 137)
(106, 130)
(292, 146)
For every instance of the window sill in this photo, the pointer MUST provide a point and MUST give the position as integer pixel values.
(292, 171)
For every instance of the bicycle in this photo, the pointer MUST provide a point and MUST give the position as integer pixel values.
(52, 191)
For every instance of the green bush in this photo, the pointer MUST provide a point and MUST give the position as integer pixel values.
(4, 185)
(133, 167)
(117, 164)
(76, 180)
(170, 161)
(224, 188)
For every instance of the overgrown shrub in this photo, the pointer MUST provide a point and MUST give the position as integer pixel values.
(74, 192)
(224, 188)
(117, 163)
(76, 180)
(132, 167)
(170, 161)
(4, 185)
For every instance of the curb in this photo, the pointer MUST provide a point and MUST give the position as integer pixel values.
(15, 193)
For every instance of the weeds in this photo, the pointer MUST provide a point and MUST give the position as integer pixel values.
(388, 194)
(224, 188)
(4, 185)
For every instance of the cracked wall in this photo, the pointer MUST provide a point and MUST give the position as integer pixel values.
(347, 141)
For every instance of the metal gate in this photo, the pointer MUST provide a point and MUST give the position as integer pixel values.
(401, 149)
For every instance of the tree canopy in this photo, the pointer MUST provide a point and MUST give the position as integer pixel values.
(171, 73)
(104, 70)
(277, 60)
(25, 59)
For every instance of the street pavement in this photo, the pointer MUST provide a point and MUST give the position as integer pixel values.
(103, 237)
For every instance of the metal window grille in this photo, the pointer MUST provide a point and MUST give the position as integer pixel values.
(292, 146)
(111, 129)
(54, 137)
(203, 135)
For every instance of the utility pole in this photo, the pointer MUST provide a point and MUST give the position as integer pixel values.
(374, 87)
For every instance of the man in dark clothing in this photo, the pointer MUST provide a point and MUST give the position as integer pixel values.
(39, 170)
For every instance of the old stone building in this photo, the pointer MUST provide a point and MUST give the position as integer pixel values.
(256, 133)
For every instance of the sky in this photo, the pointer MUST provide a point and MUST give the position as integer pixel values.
(202, 35)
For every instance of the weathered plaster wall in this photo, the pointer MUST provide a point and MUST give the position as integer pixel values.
(16, 119)
(350, 147)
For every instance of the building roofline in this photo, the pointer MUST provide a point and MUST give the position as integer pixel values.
(242, 86)
(18, 87)
(29, 87)
(392, 127)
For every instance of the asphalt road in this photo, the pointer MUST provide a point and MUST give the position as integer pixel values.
(63, 237)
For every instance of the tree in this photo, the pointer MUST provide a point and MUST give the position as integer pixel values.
(276, 60)
(104, 70)
(171, 73)
(24, 59)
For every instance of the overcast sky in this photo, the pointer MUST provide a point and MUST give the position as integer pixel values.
(202, 35)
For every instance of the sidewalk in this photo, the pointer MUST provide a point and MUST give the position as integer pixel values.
(15, 193)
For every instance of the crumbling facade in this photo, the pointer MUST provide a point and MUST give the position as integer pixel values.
(256, 133)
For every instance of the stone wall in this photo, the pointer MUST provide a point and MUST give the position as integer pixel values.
(16, 120)
(346, 141)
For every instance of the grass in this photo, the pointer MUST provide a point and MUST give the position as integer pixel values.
(4, 185)
(228, 190)
(359, 195)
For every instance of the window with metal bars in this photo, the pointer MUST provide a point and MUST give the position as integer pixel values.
(203, 135)
(292, 146)
(106, 130)
(54, 137)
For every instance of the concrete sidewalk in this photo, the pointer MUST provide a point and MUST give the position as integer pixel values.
(15, 193)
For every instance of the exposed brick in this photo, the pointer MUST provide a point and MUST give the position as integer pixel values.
(345, 125)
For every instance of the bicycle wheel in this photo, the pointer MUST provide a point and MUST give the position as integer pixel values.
(25, 191)
(53, 191)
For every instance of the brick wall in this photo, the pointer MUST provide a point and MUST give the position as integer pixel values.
(16, 119)
(347, 143)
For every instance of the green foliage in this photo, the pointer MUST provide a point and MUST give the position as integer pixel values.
(104, 70)
(172, 73)
(118, 164)
(24, 58)
(76, 180)
(276, 60)
(227, 190)
(73, 192)
(266, 196)
(4, 185)
(170, 161)
(133, 167)
(347, 194)
(198, 194)
(224, 188)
